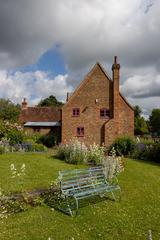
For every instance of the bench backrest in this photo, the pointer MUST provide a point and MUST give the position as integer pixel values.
(81, 179)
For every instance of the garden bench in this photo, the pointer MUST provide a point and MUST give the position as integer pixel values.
(80, 184)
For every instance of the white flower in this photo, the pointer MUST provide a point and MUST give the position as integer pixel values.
(12, 167)
(23, 168)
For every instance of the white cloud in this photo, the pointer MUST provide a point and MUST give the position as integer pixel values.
(32, 85)
(142, 85)
(143, 90)
(87, 31)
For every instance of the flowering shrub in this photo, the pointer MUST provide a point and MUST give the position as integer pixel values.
(6, 146)
(113, 165)
(10, 206)
(73, 152)
(11, 131)
(147, 151)
(95, 154)
(76, 152)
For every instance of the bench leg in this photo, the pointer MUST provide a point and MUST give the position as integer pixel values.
(76, 205)
(69, 203)
(113, 196)
(120, 195)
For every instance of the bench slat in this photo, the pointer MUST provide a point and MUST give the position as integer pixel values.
(81, 188)
(83, 179)
(81, 170)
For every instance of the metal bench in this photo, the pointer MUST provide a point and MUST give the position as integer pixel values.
(80, 184)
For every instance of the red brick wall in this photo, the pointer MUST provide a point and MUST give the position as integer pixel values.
(126, 118)
(125, 123)
(95, 86)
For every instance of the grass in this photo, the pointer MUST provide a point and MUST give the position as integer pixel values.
(41, 170)
(131, 218)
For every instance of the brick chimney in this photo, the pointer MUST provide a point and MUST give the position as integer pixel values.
(116, 103)
(24, 105)
(67, 98)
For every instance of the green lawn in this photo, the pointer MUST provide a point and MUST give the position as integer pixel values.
(41, 170)
(131, 218)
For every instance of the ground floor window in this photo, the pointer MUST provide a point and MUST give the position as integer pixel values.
(36, 130)
(80, 131)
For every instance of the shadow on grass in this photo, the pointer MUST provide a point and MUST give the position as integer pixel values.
(60, 204)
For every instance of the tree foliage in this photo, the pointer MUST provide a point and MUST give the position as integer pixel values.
(137, 111)
(140, 124)
(8, 110)
(50, 101)
(154, 121)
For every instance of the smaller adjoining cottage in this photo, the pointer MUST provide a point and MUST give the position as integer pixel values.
(42, 120)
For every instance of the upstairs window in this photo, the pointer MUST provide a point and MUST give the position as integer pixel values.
(80, 131)
(75, 112)
(104, 113)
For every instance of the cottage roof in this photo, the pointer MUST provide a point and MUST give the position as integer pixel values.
(40, 114)
(42, 124)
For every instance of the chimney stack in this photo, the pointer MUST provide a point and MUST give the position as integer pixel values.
(67, 98)
(116, 80)
(24, 104)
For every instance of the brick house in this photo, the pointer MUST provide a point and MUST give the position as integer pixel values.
(43, 120)
(97, 112)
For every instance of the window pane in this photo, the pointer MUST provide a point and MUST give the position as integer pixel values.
(76, 112)
(80, 131)
(104, 112)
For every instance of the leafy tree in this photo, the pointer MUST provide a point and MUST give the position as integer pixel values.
(137, 111)
(154, 121)
(50, 101)
(8, 110)
(140, 124)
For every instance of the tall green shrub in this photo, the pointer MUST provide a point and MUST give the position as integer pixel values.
(123, 146)
(15, 136)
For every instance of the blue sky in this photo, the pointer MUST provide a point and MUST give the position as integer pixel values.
(47, 47)
(51, 61)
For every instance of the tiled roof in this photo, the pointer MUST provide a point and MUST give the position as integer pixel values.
(40, 114)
